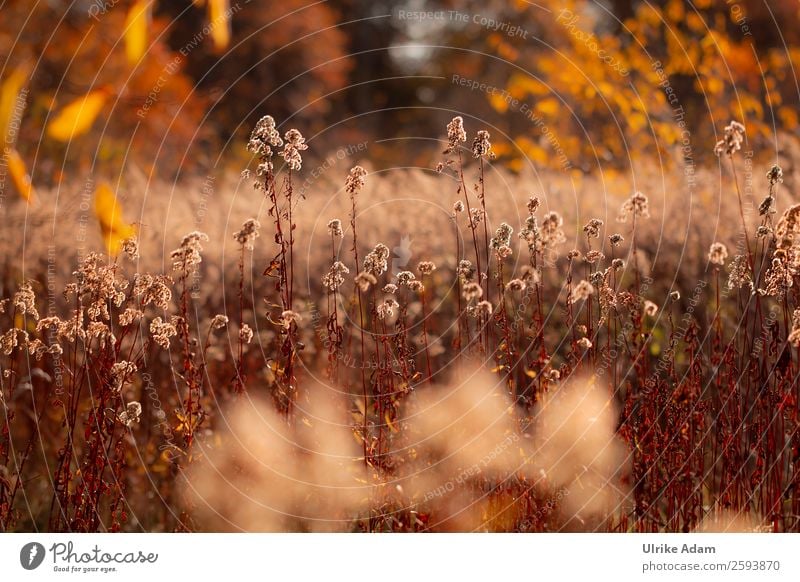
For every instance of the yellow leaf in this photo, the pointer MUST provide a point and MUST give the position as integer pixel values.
(498, 103)
(547, 106)
(19, 175)
(218, 16)
(114, 229)
(9, 93)
(77, 117)
(136, 24)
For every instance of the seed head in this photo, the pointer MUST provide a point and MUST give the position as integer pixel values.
(264, 137)
(294, 144)
(131, 413)
(732, 139)
(376, 261)
(582, 291)
(364, 280)
(481, 146)
(248, 234)
(455, 134)
(335, 227)
(426, 267)
(636, 206)
(592, 228)
(161, 331)
(355, 180)
(472, 291)
(334, 278)
(717, 254)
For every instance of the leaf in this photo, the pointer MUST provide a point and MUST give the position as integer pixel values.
(114, 229)
(77, 117)
(136, 24)
(392, 426)
(19, 175)
(219, 20)
(9, 93)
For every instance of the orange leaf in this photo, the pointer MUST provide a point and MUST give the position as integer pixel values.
(19, 175)
(136, 24)
(219, 19)
(9, 93)
(114, 229)
(77, 117)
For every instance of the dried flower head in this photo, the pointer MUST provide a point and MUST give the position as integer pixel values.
(121, 372)
(152, 289)
(675, 296)
(219, 321)
(552, 234)
(739, 273)
(636, 206)
(472, 291)
(481, 146)
(131, 414)
(788, 227)
(161, 331)
(25, 301)
(533, 204)
(355, 180)
(502, 236)
(775, 175)
(650, 309)
(582, 291)
(405, 277)
(465, 270)
(248, 233)
(130, 315)
(334, 278)
(364, 280)
(732, 139)
(130, 248)
(416, 286)
(717, 254)
(386, 308)
(592, 228)
(245, 334)
(376, 261)
(458, 206)
(475, 216)
(426, 267)
(294, 144)
(335, 227)
(455, 134)
(264, 137)
(188, 254)
(594, 256)
(585, 343)
(390, 288)
(615, 239)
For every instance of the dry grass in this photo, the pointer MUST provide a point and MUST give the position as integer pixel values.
(619, 386)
